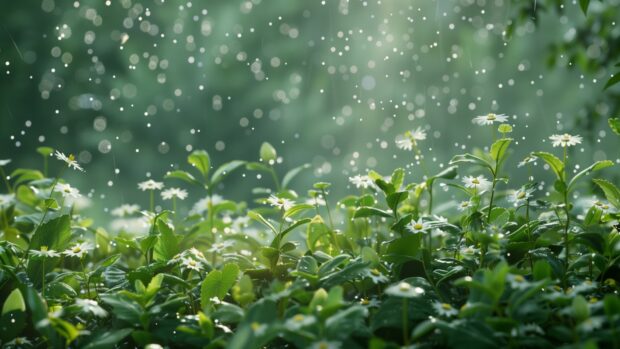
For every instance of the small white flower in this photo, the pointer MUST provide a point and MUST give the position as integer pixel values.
(464, 205)
(189, 263)
(469, 251)
(91, 306)
(258, 328)
(67, 191)
(521, 195)
(316, 201)
(518, 282)
(404, 143)
(125, 210)
(69, 160)
(202, 205)
(418, 226)
(404, 290)
(527, 160)
(444, 309)
(168, 194)
(298, 321)
(376, 276)
(361, 181)
(44, 252)
(4, 162)
(489, 119)
(219, 247)
(78, 250)
(565, 140)
(281, 203)
(150, 185)
(326, 345)
(6, 200)
(479, 183)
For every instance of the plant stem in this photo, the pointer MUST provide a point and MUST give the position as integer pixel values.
(331, 222)
(405, 322)
(152, 200)
(6, 181)
(275, 179)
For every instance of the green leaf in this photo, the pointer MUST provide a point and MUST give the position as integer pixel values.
(257, 166)
(599, 165)
(556, 164)
(225, 170)
(612, 193)
(614, 124)
(167, 245)
(201, 161)
(612, 81)
(268, 152)
(123, 308)
(280, 237)
(108, 339)
(395, 198)
(217, 283)
(580, 308)
(471, 159)
(184, 176)
(259, 218)
(14, 302)
(398, 176)
(370, 212)
(288, 177)
(297, 209)
(584, 6)
(403, 249)
(55, 234)
(499, 149)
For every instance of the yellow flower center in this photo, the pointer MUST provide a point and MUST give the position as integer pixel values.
(404, 286)
(418, 226)
(475, 181)
(192, 263)
(44, 248)
(566, 137)
(446, 306)
(323, 345)
(521, 195)
(491, 116)
(298, 318)
(519, 278)
(375, 272)
(76, 249)
(255, 326)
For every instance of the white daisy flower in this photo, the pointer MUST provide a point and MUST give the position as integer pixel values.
(521, 195)
(202, 205)
(281, 203)
(125, 210)
(418, 226)
(219, 247)
(171, 193)
(78, 250)
(444, 309)
(67, 191)
(150, 185)
(298, 321)
(565, 140)
(6, 200)
(489, 119)
(44, 252)
(189, 263)
(361, 181)
(404, 143)
(326, 345)
(404, 290)
(91, 306)
(518, 282)
(258, 328)
(469, 251)
(69, 160)
(479, 183)
(376, 276)
(527, 160)
(464, 205)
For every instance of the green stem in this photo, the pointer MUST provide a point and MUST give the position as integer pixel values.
(152, 200)
(331, 221)
(529, 232)
(275, 179)
(492, 196)
(405, 322)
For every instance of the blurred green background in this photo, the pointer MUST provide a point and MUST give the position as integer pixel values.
(131, 87)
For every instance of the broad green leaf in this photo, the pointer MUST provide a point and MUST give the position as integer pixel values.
(268, 152)
(612, 81)
(184, 176)
(599, 165)
(55, 234)
(471, 159)
(217, 283)
(370, 212)
(288, 177)
(201, 161)
(498, 150)
(394, 199)
(297, 209)
(557, 166)
(225, 170)
(584, 6)
(289, 229)
(612, 193)
(614, 124)
(167, 245)
(14, 302)
(398, 176)
(108, 339)
(259, 218)
(403, 249)
(257, 166)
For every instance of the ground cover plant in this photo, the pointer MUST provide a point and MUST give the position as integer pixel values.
(512, 264)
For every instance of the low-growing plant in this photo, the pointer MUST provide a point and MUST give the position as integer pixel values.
(525, 267)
